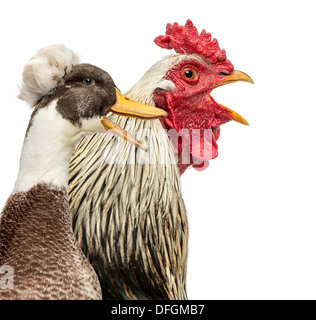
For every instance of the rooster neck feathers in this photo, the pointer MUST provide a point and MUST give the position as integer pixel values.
(127, 214)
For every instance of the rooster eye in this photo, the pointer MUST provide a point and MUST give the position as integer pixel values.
(190, 74)
(88, 81)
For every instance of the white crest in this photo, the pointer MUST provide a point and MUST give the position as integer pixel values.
(44, 70)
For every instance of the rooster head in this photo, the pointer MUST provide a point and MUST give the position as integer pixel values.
(189, 76)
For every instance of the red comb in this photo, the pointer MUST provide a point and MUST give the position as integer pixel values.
(186, 39)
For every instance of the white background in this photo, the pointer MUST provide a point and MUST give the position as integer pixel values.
(252, 212)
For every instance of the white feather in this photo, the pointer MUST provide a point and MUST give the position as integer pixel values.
(155, 78)
(44, 71)
(48, 147)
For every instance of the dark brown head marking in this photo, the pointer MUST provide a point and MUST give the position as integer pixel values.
(86, 92)
(77, 99)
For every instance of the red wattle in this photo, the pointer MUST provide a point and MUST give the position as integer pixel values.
(201, 146)
(202, 166)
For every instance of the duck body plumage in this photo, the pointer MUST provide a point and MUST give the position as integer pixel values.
(37, 242)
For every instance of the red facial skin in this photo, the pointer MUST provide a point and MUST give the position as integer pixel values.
(191, 107)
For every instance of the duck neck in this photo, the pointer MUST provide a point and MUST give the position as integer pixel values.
(47, 150)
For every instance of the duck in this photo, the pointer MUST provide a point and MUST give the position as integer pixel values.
(37, 243)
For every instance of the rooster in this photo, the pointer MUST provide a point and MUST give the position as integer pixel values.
(128, 213)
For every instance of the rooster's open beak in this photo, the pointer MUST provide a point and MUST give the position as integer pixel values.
(129, 108)
(231, 114)
(231, 78)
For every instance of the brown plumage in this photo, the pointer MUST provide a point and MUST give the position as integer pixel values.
(41, 248)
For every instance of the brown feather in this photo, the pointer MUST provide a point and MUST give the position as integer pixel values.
(37, 241)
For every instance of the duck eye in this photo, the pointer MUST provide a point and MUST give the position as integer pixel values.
(88, 81)
(190, 74)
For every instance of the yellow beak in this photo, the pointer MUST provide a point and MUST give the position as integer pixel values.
(231, 78)
(234, 77)
(231, 114)
(129, 108)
